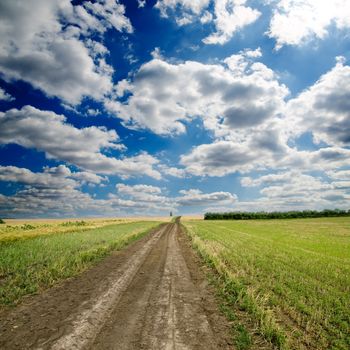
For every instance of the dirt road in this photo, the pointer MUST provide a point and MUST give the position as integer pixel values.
(151, 295)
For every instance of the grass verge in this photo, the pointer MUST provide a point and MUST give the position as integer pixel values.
(27, 266)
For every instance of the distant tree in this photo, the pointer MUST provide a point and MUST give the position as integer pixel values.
(276, 215)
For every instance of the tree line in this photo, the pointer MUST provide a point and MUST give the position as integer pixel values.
(276, 215)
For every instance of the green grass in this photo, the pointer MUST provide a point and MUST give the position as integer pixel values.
(292, 277)
(28, 265)
(25, 230)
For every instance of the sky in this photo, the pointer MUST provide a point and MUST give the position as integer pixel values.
(142, 107)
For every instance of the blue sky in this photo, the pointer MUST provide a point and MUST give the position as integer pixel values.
(114, 108)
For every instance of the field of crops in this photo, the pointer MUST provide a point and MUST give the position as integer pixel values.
(288, 280)
(36, 255)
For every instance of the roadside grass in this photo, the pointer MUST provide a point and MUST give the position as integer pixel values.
(29, 265)
(290, 277)
(23, 230)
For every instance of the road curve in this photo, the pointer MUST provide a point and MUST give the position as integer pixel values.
(144, 297)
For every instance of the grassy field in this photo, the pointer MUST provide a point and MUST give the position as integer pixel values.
(35, 256)
(287, 280)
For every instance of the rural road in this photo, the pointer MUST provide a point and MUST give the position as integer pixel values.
(150, 295)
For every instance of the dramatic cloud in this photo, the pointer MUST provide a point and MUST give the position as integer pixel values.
(4, 96)
(47, 131)
(46, 43)
(296, 21)
(236, 94)
(324, 108)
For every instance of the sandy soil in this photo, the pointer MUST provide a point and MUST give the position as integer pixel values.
(151, 295)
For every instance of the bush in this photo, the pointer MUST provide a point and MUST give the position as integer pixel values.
(74, 223)
(276, 215)
(2, 221)
(27, 227)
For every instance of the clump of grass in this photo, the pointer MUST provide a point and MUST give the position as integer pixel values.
(26, 227)
(74, 223)
(26, 266)
(2, 221)
(292, 278)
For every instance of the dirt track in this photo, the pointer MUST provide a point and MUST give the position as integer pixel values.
(151, 295)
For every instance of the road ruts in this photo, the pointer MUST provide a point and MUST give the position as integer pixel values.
(150, 301)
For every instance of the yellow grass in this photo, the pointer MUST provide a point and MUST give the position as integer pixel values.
(15, 229)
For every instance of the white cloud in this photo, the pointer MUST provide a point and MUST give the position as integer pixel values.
(39, 199)
(47, 44)
(194, 197)
(54, 177)
(37, 202)
(48, 132)
(343, 175)
(173, 171)
(144, 196)
(188, 7)
(270, 179)
(141, 3)
(230, 17)
(324, 108)
(235, 94)
(4, 96)
(206, 17)
(225, 157)
(137, 189)
(296, 21)
(294, 190)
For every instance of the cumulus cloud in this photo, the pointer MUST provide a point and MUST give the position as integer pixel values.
(295, 190)
(54, 191)
(47, 44)
(230, 16)
(324, 108)
(235, 94)
(227, 156)
(54, 177)
(37, 202)
(4, 96)
(48, 132)
(296, 21)
(173, 171)
(188, 8)
(339, 174)
(194, 197)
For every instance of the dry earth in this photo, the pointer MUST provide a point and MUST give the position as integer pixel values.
(151, 295)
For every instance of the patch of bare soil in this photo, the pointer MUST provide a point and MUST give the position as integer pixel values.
(151, 295)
